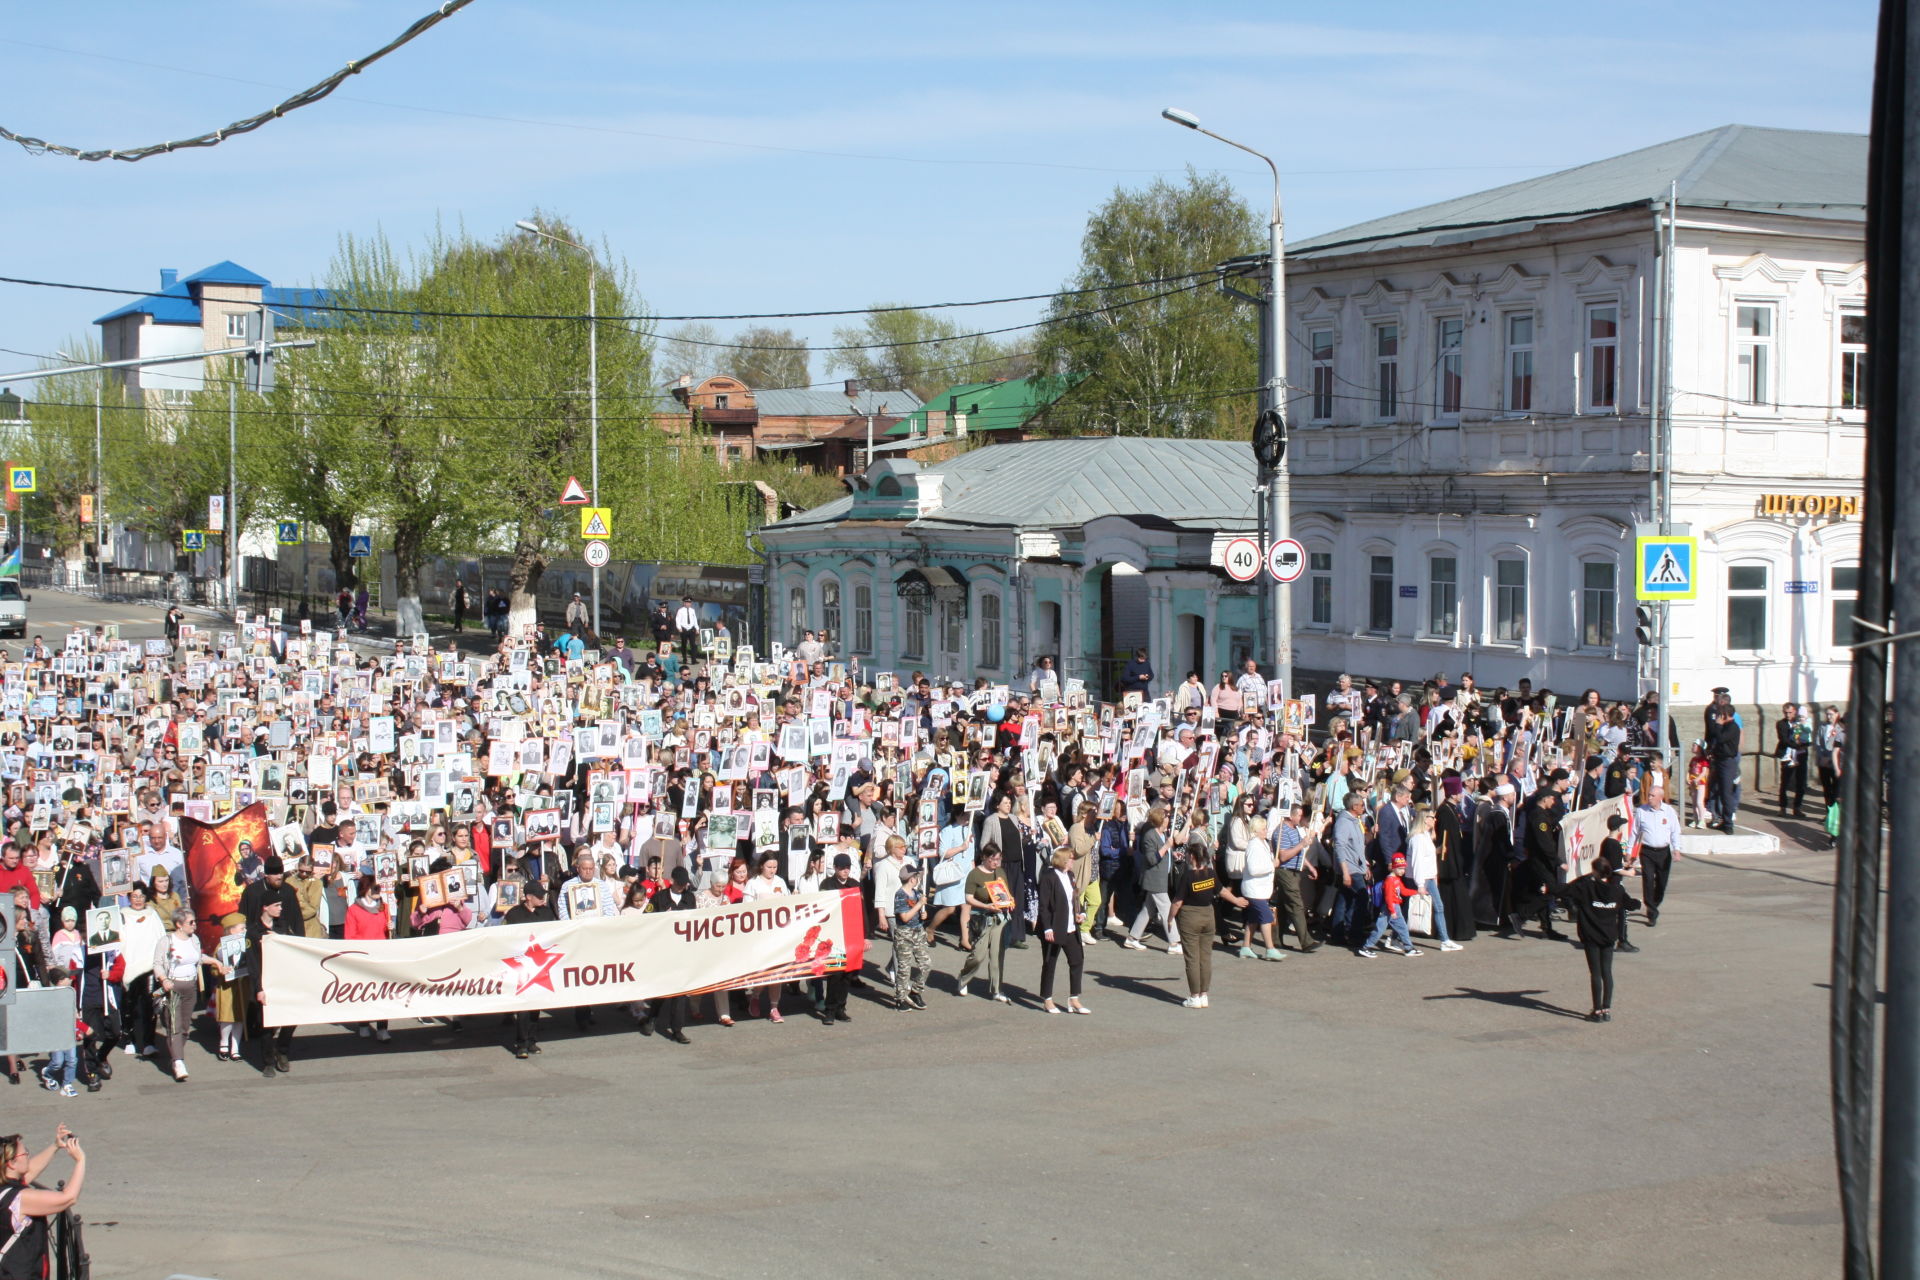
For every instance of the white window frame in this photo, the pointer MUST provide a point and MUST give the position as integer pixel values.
(1759, 593)
(1321, 401)
(1373, 581)
(1837, 596)
(1848, 353)
(236, 326)
(991, 632)
(1319, 584)
(1753, 362)
(1443, 594)
(916, 620)
(1516, 355)
(1500, 595)
(1449, 367)
(797, 610)
(1387, 402)
(862, 616)
(1609, 615)
(1590, 349)
(831, 599)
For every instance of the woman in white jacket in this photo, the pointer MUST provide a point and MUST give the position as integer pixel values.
(1423, 868)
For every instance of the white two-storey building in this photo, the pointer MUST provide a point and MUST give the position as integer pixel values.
(1475, 390)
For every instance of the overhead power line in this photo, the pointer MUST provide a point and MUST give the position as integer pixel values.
(306, 97)
(889, 309)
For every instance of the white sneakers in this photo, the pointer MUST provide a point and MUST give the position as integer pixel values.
(1451, 946)
(1175, 949)
(1133, 944)
(1192, 1002)
(179, 1069)
(382, 1036)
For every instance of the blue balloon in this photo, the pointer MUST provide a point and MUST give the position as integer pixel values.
(996, 713)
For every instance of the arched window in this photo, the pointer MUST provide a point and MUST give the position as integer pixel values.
(796, 611)
(863, 617)
(990, 631)
(1599, 603)
(915, 611)
(887, 488)
(1510, 599)
(830, 609)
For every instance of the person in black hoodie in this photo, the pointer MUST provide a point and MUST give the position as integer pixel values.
(533, 909)
(671, 1013)
(1599, 906)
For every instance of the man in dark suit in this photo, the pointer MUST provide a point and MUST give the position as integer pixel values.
(1391, 822)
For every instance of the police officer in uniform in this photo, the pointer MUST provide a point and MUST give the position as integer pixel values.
(1544, 810)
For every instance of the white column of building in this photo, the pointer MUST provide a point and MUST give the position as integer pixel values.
(1159, 635)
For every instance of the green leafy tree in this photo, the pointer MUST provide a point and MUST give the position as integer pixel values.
(57, 440)
(923, 352)
(1186, 363)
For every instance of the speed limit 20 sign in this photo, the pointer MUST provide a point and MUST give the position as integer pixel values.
(1242, 559)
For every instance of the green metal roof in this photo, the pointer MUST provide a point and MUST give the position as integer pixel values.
(992, 406)
(1067, 481)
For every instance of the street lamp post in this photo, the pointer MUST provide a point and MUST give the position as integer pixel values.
(1274, 475)
(593, 377)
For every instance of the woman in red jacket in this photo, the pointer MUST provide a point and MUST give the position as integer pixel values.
(367, 922)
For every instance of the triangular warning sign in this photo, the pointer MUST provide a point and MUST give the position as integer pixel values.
(573, 495)
(596, 527)
(1667, 572)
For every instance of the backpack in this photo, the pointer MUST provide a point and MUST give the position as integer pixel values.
(1234, 851)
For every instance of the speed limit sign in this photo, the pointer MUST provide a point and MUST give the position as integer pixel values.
(1286, 560)
(597, 554)
(1241, 559)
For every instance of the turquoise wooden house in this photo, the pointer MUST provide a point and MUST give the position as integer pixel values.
(1083, 549)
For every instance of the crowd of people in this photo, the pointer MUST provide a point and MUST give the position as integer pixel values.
(994, 820)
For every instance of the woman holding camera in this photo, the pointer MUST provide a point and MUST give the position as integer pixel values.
(27, 1207)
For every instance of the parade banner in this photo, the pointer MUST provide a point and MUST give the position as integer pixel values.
(1582, 832)
(216, 854)
(560, 964)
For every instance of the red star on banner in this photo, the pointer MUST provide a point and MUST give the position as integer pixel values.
(538, 963)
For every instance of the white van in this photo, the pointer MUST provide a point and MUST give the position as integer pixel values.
(13, 607)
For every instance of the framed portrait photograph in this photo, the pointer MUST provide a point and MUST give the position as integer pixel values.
(584, 900)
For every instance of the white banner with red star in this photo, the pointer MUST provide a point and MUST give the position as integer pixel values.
(1582, 832)
(558, 964)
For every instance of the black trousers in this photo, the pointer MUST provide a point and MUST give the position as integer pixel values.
(523, 1029)
(138, 1011)
(670, 1015)
(836, 1002)
(1793, 781)
(1656, 865)
(1829, 785)
(1600, 972)
(689, 646)
(1050, 957)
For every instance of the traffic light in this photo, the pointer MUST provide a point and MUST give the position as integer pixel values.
(1643, 625)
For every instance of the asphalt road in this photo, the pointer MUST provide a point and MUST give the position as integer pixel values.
(1447, 1117)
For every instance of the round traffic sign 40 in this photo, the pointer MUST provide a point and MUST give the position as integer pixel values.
(1241, 559)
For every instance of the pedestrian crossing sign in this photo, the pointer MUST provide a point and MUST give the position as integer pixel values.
(596, 522)
(289, 533)
(193, 540)
(21, 480)
(1667, 568)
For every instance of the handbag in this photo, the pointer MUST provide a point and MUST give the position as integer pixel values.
(1420, 915)
(946, 872)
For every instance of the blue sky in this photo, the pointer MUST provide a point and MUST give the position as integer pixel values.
(773, 157)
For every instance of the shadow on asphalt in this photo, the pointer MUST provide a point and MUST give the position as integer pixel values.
(1139, 986)
(1728, 864)
(1512, 999)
